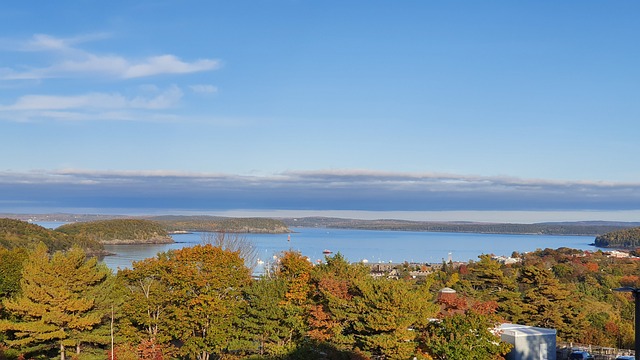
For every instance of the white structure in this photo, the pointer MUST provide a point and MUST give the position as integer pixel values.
(529, 342)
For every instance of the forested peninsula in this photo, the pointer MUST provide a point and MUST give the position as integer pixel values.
(625, 238)
(119, 231)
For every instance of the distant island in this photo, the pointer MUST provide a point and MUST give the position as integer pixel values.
(624, 238)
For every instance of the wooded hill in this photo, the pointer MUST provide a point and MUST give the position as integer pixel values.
(565, 228)
(21, 234)
(119, 231)
(221, 224)
(625, 238)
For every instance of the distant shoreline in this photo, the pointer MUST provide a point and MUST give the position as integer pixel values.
(578, 228)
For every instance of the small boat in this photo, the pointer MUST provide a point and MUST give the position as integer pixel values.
(327, 252)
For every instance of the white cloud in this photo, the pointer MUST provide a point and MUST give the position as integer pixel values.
(44, 42)
(203, 89)
(165, 99)
(167, 64)
(73, 61)
(56, 102)
(94, 106)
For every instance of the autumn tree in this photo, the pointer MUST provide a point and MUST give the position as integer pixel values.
(188, 297)
(333, 313)
(56, 306)
(208, 283)
(295, 271)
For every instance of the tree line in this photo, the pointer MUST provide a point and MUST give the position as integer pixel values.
(202, 303)
(568, 228)
(221, 224)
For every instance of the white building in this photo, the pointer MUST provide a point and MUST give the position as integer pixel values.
(529, 342)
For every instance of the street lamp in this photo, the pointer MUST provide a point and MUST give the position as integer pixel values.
(636, 296)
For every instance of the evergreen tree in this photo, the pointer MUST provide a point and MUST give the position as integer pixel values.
(547, 303)
(11, 270)
(464, 336)
(390, 313)
(55, 307)
(487, 279)
(264, 321)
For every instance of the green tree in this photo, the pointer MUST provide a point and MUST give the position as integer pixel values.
(464, 336)
(488, 279)
(55, 307)
(390, 314)
(547, 303)
(11, 270)
(264, 319)
(147, 302)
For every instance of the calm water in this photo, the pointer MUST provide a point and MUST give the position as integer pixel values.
(356, 245)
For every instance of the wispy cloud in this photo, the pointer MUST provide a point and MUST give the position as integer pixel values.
(319, 190)
(44, 42)
(203, 89)
(74, 61)
(96, 106)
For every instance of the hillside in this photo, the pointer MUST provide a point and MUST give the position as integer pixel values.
(21, 234)
(119, 231)
(625, 238)
(221, 224)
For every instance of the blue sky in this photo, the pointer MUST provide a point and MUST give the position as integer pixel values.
(374, 106)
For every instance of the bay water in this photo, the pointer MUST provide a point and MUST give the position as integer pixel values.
(367, 245)
(372, 246)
